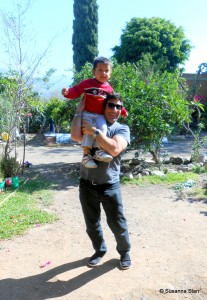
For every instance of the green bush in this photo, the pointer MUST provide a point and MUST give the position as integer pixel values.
(9, 166)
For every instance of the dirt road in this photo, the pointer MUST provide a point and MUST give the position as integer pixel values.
(168, 237)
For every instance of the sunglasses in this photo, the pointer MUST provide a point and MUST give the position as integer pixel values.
(112, 105)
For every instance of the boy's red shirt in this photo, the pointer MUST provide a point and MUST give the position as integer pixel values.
(95, 93)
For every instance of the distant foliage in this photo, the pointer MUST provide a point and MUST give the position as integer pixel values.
(85, 32)
(154, 99)
(61, 111)
(161, 39)
(155, 102)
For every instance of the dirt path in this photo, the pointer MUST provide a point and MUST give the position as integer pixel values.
(168, 238)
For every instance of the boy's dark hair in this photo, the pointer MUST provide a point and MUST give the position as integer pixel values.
(112, 96)
(101, 59)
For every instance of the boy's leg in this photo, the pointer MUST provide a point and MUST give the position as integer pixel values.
(100, 154)
(87, 143)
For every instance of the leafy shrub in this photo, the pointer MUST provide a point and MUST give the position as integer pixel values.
(9, 166)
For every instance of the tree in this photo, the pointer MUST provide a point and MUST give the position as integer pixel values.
(23, 62)
(59, 111)
(155, 101)
(158, 37)
(85, 32)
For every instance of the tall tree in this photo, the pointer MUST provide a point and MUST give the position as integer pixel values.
(157, 37)
(156, 103)
(85, 32)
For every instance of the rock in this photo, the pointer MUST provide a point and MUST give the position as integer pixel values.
(129, 175)
(145, 173)
(150, 162)
(166, 161)
(138, 176)
(186, 161)
(171, 171)
(191, 166)
(184, 169)
(158, 173)
(177, 160)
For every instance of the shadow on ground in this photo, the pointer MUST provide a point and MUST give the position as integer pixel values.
(60, 176)
(47, 285)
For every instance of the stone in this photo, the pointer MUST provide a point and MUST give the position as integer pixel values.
(172, 171)
(158, 173)
(176, 160)
(145, 173)
(184, 169)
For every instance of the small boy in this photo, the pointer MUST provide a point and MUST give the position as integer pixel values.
(95, 91)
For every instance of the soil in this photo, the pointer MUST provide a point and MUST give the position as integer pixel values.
(167, 231)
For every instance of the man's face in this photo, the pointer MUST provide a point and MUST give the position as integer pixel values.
(112, 110)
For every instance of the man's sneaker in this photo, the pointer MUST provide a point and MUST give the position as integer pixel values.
(88, 161)
(125, 261)
(95, 259)
(101, 155)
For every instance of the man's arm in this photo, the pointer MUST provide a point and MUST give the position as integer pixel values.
(76, 132)
(114, 146)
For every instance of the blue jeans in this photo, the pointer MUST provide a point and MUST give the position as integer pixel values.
(109, 195)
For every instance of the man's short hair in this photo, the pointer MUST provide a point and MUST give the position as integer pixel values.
(101, 59)
(112, 96)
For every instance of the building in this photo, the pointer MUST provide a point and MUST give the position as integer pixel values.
(201, 82)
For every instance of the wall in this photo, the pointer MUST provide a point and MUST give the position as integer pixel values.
(201, 86)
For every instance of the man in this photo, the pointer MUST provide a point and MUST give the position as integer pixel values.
(102, 185)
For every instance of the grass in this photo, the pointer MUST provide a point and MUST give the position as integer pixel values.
(168, 179)
(199, 193)
(25, 208)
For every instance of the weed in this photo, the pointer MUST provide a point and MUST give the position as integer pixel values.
(23, 209)
(169, 178)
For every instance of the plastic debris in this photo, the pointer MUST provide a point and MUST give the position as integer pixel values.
(45, 264)
(187, 184)
(2, 186)
(165, 140)
(8, 181)
(27, 164)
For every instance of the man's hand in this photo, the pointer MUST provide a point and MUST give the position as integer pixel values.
(64, 91)
(114, 146)
(87, 128)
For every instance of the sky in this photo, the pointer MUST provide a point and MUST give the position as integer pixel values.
(46, 19)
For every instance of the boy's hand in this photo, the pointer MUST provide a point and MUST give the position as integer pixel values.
(64, 91)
